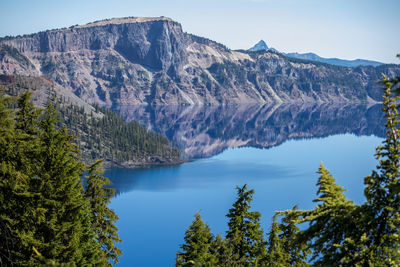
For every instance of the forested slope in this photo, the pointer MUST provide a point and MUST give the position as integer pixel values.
(101, 133)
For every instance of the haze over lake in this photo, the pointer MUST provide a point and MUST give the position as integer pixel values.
(284, 146)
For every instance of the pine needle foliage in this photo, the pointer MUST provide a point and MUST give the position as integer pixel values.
(197, 246)
(45, 216)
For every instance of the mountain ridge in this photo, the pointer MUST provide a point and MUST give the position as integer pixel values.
(336, 61)
(152, 61)
(262, 46)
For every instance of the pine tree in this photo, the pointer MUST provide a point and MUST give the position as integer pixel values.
(382, 237)
(276, 255)
(18, 211)
(245, 236)
(198, 241)
(102, 217)
(220, 251)
(11, 184)
(27, 115)
(331, 222)
(45, 218)
(65, 231)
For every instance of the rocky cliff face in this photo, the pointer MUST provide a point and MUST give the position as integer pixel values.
(152, 61)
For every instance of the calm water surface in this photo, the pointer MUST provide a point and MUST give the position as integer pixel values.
(156, 205)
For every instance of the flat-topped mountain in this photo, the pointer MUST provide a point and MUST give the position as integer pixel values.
(152, 61)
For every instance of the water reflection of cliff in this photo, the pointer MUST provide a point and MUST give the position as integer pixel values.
(203, 131)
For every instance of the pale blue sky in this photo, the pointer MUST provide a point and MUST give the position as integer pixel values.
(346, 29)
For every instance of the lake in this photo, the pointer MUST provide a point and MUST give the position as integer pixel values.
(275, 150)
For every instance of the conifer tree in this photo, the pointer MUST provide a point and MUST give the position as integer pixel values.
(331, 222)
(382, 209)
(276, 255)
(18, 210)
(220, 250)
(45, 218)
(245, 236)
(102, 217)
(65, 231)
(11, 183)
(198, 241)
(27, 115)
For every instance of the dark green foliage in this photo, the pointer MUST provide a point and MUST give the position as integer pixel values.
(197, 248)
(228, 71)
(382, 237)
(102, 218)
(245, 236)
(285, 248)
(45, 216)
(111, 138)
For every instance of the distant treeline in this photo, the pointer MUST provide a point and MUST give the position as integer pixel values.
(111, 138)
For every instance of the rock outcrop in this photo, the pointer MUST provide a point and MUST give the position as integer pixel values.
(152, 61)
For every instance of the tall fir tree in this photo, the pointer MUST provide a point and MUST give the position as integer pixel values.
(382, 209)
(27, 115)
(44, 216)
(18, 211)
(197, 246)
(284, 247)
(245, 237)
(220, 250)
(102, 217)
(65, 230)
(276, 254)
(330, 223)
(11, 184)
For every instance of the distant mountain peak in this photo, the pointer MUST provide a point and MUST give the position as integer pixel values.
(261, 45)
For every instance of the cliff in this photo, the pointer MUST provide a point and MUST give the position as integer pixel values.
(152, 61)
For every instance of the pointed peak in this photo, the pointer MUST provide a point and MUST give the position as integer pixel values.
(262, 42)
(261, 45)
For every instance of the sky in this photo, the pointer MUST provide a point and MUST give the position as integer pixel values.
(347, 29)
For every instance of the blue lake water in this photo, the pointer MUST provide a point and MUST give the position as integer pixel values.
(156, 205)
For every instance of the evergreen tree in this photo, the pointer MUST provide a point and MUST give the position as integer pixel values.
(331, 222)
(198, 242)
(245, 236)
(27, 115)
(284, 246)
(102, 217)
(18, 211)
(381, 240)
(65, 231)
(44, 216)
(276, 255)
(220, 250)
(11, 184)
